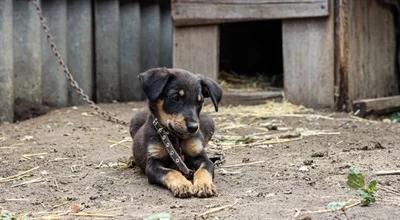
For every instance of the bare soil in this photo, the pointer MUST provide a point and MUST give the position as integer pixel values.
(80, 169)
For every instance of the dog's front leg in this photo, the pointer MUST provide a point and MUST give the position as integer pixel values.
(203, 185)
(169, 178)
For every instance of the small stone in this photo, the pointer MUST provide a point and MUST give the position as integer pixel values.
(386, 120)
(318, 154)
(93, 197)
(308, 162)
(304, 169)
(288, 192)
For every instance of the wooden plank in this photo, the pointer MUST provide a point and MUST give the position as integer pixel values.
(107, 51)
(129, 50)
(196, 49)
(150, 35)
(381, 105)
(308, 50)
(80, 47)
(250, 98)
(6, 62)
(27, 56)
(371, 51)
(190, 12)
(166, 34)
(54, 84)
(341, 54)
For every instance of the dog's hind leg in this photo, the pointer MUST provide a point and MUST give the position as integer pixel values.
(207, 126)
(137, 121)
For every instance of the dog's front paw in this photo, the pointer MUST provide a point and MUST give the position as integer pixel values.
(203, 184)
(182, 190)
(178, 184)
(204, 189)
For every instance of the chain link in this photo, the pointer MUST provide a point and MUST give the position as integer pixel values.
(50, 39)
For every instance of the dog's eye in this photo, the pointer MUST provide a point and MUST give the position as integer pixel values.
(175, 97)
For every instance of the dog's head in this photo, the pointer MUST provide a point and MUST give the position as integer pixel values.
(176, 97)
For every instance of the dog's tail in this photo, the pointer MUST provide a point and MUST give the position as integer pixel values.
(137, 121)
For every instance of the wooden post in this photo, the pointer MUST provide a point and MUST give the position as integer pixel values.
(27, 55)
(107, 52)
(129, 50)
(196, 49)
(6, 62)
(366, 39)
(308, 50)
(80, 47)
(55, 90)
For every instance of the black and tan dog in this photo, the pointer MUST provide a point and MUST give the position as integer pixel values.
(175, 98)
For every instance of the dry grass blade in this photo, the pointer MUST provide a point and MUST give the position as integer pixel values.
(119, 143)
(243, 164)
(217, 209)
(12, 146)
(387, 172)
(29, 156)
(10, 178)
(301, 212)
(93, 214)
(28, 182)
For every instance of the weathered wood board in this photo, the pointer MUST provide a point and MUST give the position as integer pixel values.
(150, 35)
(54, 84)
(308, 50)
(199, 12)
(27, 55)
(367, 52)
(107, 50)
(382, 105)
(196, 49)
(6, 62)
(166, 31)
(80, 47)
(129, 45)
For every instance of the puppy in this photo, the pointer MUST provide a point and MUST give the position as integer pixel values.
(175, 97)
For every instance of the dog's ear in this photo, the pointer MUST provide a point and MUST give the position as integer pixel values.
(211, 89)
(153, 82)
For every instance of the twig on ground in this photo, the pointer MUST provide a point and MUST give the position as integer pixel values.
(243, 164)
(217, 209)
(301, 212)
(387, 172)
(21, 174)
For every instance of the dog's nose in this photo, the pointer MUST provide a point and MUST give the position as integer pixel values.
(192, 127)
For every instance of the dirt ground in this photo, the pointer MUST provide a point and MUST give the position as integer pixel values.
(78, 166)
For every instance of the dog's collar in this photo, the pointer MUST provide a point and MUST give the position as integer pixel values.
(163, 133)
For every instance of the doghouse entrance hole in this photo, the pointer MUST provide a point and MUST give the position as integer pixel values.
(251, 54)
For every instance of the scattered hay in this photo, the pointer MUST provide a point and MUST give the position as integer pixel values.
(217, 209)
(18, 176)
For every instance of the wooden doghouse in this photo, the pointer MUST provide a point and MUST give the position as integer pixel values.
(334, 51)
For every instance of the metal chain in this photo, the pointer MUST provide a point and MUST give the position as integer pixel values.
(50, 39)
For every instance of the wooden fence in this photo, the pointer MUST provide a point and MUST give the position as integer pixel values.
(105, 43)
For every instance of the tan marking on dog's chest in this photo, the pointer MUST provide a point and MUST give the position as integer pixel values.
(156, 151)
(193, 146)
